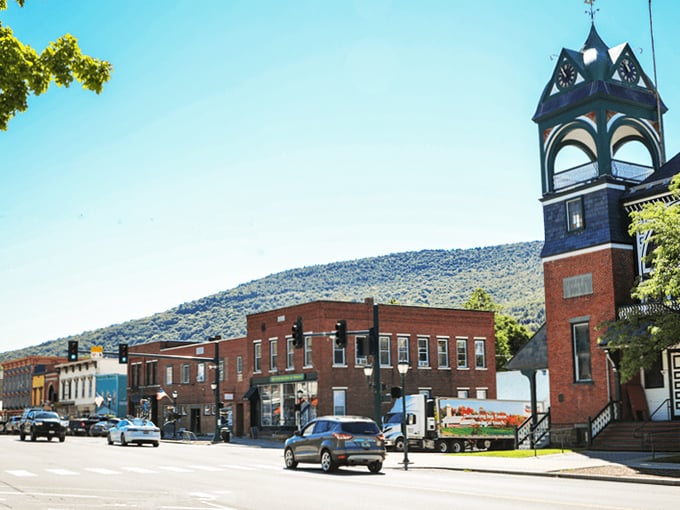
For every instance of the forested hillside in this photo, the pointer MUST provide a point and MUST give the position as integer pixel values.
(511, 274)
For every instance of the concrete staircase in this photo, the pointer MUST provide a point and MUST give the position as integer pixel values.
(644, 436)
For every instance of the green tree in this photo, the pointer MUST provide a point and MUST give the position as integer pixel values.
(654, 325)
(24, 72)
(510, 335)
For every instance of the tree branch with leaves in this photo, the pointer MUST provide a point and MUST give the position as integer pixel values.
(654, 325)
(24, 72)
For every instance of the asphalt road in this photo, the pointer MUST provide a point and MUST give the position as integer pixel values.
(86, 473)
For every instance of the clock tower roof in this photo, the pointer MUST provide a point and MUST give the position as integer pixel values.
(601, 72)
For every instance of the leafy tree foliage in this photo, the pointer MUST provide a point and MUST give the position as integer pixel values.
(512, 273)
(654, 325)
(24, 72)
(510, 335)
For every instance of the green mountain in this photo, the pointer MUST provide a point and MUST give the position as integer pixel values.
(511, 274)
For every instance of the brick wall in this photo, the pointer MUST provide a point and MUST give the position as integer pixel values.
(612, 275)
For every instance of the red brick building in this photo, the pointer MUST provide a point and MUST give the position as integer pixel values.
(264, 379)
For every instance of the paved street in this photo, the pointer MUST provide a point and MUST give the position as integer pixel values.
(85, 473)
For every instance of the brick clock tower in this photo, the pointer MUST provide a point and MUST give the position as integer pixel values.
(598, 100)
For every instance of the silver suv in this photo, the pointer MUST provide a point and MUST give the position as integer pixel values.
(334, 441)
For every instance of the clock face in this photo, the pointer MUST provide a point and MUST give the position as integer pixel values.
(566, 75)
(628, 71)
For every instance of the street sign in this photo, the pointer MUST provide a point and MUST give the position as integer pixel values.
(96, 351)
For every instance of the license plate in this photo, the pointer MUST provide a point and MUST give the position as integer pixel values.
(146, 431)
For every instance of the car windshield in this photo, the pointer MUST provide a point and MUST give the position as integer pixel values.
(360, 427)
(46, 416)
(139, 422)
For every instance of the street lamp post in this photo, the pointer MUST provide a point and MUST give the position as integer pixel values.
(174, 409)
(403, 367)
(215, 386)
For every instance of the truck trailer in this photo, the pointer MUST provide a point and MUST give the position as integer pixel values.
(449, 424)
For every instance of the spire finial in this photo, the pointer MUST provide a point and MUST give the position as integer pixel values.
(591, 11)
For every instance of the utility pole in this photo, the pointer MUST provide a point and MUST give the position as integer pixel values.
(376, 363)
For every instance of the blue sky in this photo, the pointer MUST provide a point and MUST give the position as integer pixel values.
(237, 139)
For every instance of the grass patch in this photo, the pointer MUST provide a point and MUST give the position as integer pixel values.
(516, 454)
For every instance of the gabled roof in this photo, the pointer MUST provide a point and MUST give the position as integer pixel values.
(656, 184)
(534, 354)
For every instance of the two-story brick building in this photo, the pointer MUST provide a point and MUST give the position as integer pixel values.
(265, 379)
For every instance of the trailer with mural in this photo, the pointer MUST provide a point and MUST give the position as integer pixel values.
(450, 424)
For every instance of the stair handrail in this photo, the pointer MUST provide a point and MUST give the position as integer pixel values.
(609, 413)
(535, 433)
(639, 432)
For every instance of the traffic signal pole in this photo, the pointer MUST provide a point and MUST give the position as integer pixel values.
(376, 364)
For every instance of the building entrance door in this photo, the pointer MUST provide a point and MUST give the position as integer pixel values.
(674, 361)
(196, 421)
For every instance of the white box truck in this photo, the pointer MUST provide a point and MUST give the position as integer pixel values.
(449, 424)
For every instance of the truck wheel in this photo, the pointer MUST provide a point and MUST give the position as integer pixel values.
(399, 445)
(457, 446)
(442, 446)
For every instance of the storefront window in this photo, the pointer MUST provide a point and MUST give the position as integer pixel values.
(279, 403)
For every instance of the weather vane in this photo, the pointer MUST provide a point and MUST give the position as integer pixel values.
(591, 11)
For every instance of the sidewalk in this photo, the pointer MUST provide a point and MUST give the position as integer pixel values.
(632, 467)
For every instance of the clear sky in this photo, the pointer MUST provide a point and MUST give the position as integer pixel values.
(237, 139)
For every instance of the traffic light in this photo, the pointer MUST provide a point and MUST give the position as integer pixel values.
(372, 342)
(122, 353)
(73, 350)
(341, 333)
(297, 333)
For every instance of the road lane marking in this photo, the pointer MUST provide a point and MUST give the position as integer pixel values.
(237, 466)
(175, 469)
(62, 472)
(103, 471)
(19, 472)
(205, 468)
(140, 470)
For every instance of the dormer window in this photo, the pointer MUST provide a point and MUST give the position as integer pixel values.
(575, 221)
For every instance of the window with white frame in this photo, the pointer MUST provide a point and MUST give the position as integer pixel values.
(168, 374)
(200, 372)
(186, 373)
(443, 352)
(575, 220)
(308, 351)
(384, 350)
(239, 365)
(461, 353)
(423, 351)
(463, 393)
(581, 346)
(339, 401)
(480, 354)
(338, 355)
(290, 353)
(481, 393)
(402, 349)
(273, 345)
(360, 351)
(257, 356)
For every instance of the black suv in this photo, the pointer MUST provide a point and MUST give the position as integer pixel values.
(39, 423)
(336, 441)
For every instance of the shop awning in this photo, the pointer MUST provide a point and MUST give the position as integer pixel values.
(251, 394)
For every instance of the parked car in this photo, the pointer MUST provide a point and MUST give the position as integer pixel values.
(101, 428)
(12, 425)
(334, 441)
(134, 430)
(42, 424)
